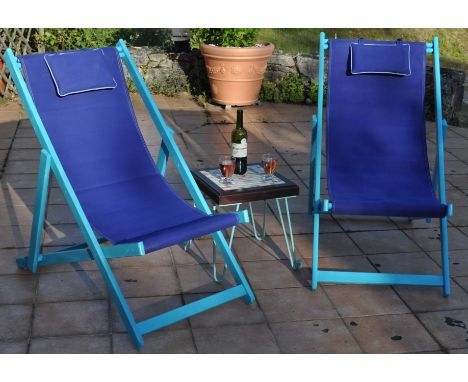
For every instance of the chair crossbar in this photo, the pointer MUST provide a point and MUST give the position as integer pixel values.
(186, 311)
(95, 248)
(317, 206)
(379, 278)
(84, 254)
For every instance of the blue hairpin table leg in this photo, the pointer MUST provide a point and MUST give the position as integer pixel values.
(186, 244)
(260, 233)
(254, 225)
(295, 262)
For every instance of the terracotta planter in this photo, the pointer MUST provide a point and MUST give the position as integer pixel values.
(236, 74)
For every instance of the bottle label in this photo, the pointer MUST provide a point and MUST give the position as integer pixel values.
(239, 150)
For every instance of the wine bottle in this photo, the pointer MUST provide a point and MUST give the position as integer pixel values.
(239, 144)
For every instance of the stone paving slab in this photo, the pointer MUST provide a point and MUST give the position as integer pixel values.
(146, 307)
(318, 336)
(71, 345)
(234, 313)
(364, 300)
(295, 304)
(256, 338)
(66, 308)
(448, 327)
(163, 341)
(15, 323)
(70, 318)
(70, 286)
(399, 333)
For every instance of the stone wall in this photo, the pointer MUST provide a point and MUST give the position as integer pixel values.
(463, 114)
(453, 95)
(170, 73)
(281, 63)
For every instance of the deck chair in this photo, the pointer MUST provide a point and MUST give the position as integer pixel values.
(376, 154)
(81, 111)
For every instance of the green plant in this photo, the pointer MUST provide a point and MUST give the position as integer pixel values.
(170, 85)
(289, 89)
(198, 83)
(270, 91)
(232, 37)
(292, 88)
(201, 100)
(76, 38)
(453, 41)
(130, 85)
(312, 93)
(161, 37)
(55, 39)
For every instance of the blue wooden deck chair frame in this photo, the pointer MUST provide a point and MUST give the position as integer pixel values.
(92, 249)
(317, 206)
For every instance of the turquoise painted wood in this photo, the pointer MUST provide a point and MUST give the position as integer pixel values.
(186, 311)
(182, 167)
(318, 161)
(92, 248)
(379, 278)
(310, 208)
(69, 255)
(317, 206)
(441, 166)
(72, 200)
(243, 216)
(163, 157)
(435, 177)
(40, 205)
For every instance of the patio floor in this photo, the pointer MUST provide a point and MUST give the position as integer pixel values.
(65, 309)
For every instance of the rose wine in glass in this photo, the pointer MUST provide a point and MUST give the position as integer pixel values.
(226, 166)
(269, 164)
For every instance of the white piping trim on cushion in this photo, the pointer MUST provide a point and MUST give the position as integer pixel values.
(399, 74)
(78, 91)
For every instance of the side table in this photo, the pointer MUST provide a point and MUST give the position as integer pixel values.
(249, 188)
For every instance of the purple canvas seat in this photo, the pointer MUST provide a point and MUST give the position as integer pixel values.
(376, 140)
(91, 123)
(80, 110)
(376, 154)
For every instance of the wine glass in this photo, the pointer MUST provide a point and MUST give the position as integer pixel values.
(226, 166)
(270, 164)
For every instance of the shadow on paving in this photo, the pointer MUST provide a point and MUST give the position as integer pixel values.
(67, 309)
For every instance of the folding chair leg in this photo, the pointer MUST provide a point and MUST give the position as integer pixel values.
(310, 202)
(40, 205)
(117, 294)
(313, 144)
(233, 265)
(315, 250)
(445, 255)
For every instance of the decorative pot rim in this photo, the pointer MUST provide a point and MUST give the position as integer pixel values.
(265, 44)
(221, 52)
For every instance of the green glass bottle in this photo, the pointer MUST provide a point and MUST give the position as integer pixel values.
(239, 144)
